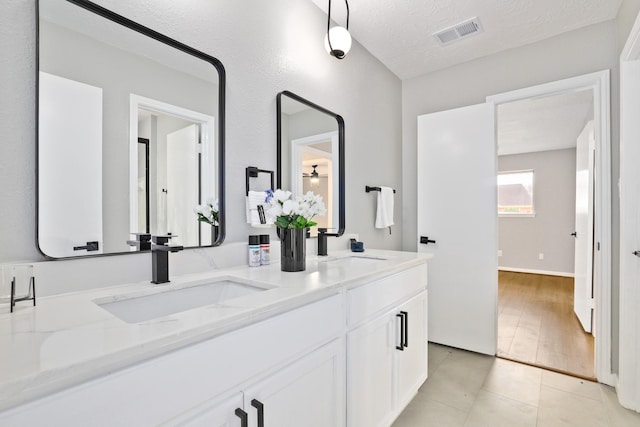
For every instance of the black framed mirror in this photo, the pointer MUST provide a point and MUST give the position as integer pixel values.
(130, 137)
(310, 151)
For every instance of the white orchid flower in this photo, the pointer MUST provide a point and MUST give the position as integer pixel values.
(213, 203)
(281, 195)
(289, 207)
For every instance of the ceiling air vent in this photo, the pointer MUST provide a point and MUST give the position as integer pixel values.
(459, 31)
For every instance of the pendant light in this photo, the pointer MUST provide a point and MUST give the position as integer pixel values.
(337, 41)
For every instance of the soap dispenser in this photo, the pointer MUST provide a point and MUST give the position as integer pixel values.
(322, 242)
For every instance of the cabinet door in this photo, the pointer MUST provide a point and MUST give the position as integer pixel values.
(370, 359)
(309, 392)
(411, 363)
(214, 414)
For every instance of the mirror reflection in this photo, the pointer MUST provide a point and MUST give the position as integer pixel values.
(129, 133)
(311, 156)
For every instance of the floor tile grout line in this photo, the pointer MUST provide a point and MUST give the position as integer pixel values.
(573, 393)
(512, 399)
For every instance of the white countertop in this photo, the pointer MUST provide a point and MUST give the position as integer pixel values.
(68, 339)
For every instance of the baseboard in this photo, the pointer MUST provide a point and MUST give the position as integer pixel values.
(531, 271)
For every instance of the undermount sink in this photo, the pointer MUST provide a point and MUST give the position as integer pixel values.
(354, 260)
(135, 308)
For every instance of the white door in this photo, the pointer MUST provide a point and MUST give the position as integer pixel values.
(457, 208)
(309, 392)
(182, 185)
(69, 186)
(629, 375)
(583, 271)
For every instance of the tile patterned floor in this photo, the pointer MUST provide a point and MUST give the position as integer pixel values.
(466, 389)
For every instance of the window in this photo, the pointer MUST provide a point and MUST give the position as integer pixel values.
(515, 193)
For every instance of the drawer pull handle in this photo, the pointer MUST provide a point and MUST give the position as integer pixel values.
(405, 339)
(260, 408)
(244, 418)
(401, 346)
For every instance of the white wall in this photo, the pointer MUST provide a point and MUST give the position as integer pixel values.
(554, 195)
(266, 47)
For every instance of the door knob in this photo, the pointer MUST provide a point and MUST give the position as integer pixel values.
(425, 240)
(636, 253)
(574, 234)
(89, 247)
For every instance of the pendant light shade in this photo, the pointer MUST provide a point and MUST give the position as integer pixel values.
(337, 41)
(340, 42)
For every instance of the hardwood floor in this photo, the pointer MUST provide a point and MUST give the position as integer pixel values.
(537, 325)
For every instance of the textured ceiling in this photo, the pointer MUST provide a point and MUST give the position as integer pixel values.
(399, 33)
(542, 124)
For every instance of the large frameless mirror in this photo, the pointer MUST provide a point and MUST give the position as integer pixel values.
(130, 134)
(310, 145)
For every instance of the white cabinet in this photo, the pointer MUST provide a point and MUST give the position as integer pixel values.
(161, 389)
(386, 363)
(228, 413)
(411, 365)
(355, 358)
(370, 361)
(308, 392)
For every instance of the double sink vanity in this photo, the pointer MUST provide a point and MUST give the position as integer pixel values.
(340, 344)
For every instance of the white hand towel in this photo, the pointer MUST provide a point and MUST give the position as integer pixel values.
(384, 215)
(253, 200)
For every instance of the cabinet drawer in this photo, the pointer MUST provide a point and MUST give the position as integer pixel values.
(159, 389)
(375, 297)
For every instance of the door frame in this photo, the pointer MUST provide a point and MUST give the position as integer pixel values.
(629, 370)
(208, 177)
(599, 83)
(299, 145)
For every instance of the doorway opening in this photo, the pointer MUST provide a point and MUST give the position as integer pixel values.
(171, 167)
(554, 255)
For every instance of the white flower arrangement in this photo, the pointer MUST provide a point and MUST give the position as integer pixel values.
(285, 212)
(208, 212)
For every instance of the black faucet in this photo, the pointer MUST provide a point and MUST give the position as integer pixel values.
(160, 258)
(322, 241)
(142, 242)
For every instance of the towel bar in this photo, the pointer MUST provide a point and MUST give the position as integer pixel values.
(252, 172)
(369, 189)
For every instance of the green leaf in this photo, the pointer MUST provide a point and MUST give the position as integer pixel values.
(282, 222)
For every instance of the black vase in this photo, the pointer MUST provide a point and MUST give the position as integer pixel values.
(293, 251)
(215, 229)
